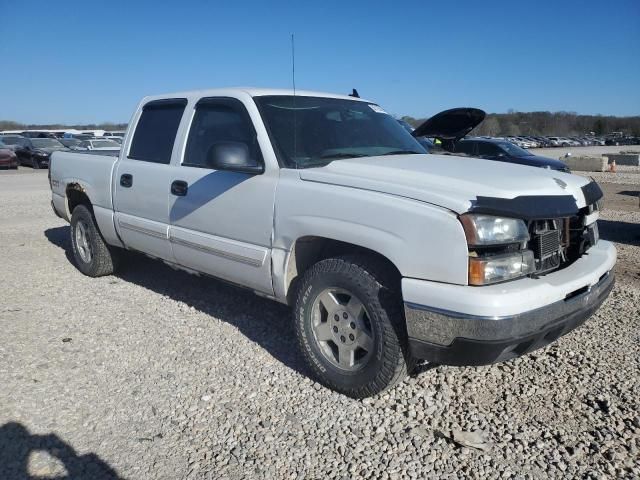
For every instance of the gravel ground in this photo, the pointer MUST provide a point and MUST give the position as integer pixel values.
(157, 374)
(624, 175)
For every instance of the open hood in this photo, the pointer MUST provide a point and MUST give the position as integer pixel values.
(450, 124)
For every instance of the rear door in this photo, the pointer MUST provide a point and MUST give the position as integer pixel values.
(142, 179)
(222, 220)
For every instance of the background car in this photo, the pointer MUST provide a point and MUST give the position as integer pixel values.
(79, 136)
(113, 138)
(37, 134)
(71, 143)
(8, 158)
(101, 145)
(34, 152)
(504, 151)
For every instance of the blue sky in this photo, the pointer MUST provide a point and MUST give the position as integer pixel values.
(91, 61)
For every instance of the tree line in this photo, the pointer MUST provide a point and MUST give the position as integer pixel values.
(550, 124)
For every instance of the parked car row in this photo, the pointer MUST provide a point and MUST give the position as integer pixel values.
(545, 142)
(576, 141)
(622, 140)
(36, 151)
(65, 133)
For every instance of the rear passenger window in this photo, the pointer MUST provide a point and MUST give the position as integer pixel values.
(219, 120)
(156, 130)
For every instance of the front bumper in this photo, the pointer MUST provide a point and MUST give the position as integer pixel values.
(471, 335)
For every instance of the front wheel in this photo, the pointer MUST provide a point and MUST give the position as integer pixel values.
(350, 327)
(93, 256)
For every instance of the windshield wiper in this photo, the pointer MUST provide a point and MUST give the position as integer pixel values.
(342, 155)
(401, 152)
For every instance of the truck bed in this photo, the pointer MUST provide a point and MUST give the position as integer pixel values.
(91, 171)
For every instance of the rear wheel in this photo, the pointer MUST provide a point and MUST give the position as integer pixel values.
(350, 327)
(92, 255)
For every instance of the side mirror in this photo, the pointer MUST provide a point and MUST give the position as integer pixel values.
(232, 156)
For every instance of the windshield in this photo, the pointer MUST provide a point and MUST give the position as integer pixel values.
(105, 144)
(312, 131)
(15, 141)
(70, 141)
(514, 150)
(45, 143)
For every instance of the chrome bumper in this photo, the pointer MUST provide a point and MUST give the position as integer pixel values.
(454, 338)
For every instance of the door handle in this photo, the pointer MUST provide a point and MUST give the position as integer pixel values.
(126, 180)
(179, 188)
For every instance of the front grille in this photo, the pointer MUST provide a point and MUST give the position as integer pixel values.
(546, 243)
(556, 243)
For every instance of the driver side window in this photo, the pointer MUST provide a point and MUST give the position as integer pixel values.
(218, 121)
(486, 149)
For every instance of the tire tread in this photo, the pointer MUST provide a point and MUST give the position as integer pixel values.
(105, 258)
(372, 275)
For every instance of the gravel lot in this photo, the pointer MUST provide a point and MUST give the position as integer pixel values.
(158, 374)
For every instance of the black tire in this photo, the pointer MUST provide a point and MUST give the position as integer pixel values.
(375, 285)
(34, 163)
(103, 259)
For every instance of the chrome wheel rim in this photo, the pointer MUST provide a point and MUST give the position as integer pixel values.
(342, 329)
(83, 245)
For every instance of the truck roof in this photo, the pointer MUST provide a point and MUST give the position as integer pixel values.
(252, 91)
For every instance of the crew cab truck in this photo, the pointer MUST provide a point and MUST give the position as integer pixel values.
(326, 203)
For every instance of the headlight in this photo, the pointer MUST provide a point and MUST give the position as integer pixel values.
(498, 268)
(483, 230)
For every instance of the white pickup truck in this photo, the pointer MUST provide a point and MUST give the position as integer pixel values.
(326, 203)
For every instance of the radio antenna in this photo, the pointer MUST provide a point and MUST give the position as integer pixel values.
(293, 80)
(293, 63)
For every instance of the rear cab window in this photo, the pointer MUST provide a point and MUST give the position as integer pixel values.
(156, 130)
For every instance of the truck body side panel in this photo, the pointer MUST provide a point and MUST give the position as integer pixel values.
(91, 175)
(421, 240)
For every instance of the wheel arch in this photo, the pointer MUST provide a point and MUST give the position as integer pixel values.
(310, 249)
(76, 194)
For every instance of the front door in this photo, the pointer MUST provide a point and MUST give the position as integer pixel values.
(222, 220)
